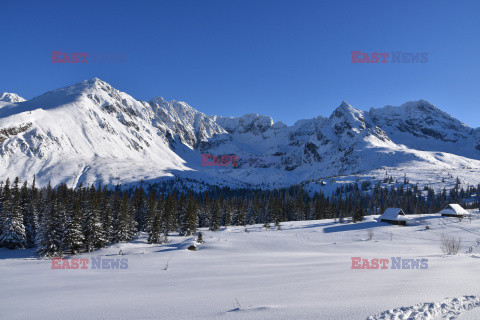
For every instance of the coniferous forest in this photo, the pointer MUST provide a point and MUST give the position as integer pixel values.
(62, 220)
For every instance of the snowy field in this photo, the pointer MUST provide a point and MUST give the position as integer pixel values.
(303, 271)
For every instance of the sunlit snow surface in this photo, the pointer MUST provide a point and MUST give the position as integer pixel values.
(300, 272)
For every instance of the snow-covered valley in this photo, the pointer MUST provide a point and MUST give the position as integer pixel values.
(231, 160)
(303, 271)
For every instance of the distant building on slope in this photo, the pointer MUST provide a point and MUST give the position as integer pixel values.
(394, 216)
(453, 210)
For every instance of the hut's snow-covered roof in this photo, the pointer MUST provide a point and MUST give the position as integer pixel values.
(454, 208)
(393, 214)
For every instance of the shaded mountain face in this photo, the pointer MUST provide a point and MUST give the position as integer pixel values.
(184, 123)
(92, 133)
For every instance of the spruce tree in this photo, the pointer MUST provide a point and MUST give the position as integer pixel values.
(200, 237)
(13, 234)
(139, 207)
(204, 212)
(299, 208)
(151, 211)
(169, 214)
(93, 228)
(189, 219)
(249, 211)
(116, 203)
(358, 214)
(74, 237)
(156, 227)
(5, 199)
(318, 210)
(126, 222)
(29, 205)
(239, 214)
(227, 212)
(107, 218)
(50, 234)
(215, 216)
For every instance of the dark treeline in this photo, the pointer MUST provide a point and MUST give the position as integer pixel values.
(63, 220)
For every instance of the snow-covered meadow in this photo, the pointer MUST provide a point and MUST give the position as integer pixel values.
(303, 271)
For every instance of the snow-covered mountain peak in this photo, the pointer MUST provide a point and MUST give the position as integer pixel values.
(101, 95)
(180, 109)
(94, 89)
(182, 121)
(95, 85)
(251, 122)
(346, 110)
(421, 105)
(10, 97)
(345, 105)
(347, 118)
(411, 109)
(94, 82)
(418, 112)
(158, 100)
(421, 125)
(84, 86)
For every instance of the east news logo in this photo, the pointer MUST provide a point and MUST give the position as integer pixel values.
(396, 263)
(383, 57)
(94, 57)
(209, 160)
(96, 263)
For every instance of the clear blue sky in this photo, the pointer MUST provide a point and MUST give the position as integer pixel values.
(287, 59)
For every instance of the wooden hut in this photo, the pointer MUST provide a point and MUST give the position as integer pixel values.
(453, 210)
(394, 216)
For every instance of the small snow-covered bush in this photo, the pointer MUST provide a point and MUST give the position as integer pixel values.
(469, 218)
(370, 234)
(200, 237)
(450, 245)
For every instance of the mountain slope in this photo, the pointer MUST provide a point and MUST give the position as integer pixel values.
(84, 133)
(92, 133)
(420, 125)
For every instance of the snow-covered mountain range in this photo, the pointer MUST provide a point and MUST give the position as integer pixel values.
(92, 133)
